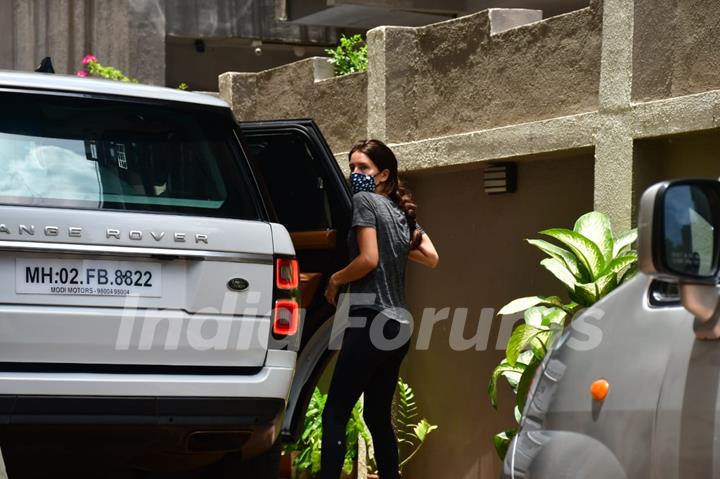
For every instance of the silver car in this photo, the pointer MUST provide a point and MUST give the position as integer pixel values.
(633, 390)
(152, 309)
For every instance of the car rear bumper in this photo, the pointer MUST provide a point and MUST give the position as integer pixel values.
(151, 422)
(271, 381)
(145, 410)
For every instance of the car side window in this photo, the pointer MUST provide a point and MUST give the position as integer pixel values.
(293, 176)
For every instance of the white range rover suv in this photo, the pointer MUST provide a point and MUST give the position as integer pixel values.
(151, 313)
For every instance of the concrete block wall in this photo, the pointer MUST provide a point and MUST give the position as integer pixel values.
(304, 89)
(459, 76)
(683, 58)
(437, 80)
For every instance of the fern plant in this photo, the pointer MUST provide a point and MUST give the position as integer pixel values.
(590, 264)
(411, 435)
(309, 445)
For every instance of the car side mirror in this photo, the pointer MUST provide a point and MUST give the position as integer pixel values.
(679, 240)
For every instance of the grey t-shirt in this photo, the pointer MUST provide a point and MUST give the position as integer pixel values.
(387, 280)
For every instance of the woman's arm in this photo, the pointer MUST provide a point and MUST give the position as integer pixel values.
(366, 261)
(425, 253)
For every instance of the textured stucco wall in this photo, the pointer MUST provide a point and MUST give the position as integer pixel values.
(127, 34)
(676, 48)
(455, 76)
(484, 264)
(304, 89)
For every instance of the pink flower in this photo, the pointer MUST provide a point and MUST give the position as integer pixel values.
(82, 73)
(89, 58)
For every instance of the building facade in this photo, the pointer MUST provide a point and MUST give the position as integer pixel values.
(593, 106)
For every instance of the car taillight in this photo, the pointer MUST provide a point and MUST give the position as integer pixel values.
(285, 322)
(287, 273)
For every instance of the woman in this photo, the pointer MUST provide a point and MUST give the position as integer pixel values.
(384, 234)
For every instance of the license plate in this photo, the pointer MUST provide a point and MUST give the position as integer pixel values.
(88, 278)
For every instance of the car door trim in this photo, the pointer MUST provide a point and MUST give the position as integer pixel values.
(159, 253)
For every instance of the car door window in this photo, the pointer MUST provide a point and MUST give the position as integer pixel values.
(293, 177)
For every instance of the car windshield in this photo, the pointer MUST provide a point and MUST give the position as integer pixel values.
(80, 152)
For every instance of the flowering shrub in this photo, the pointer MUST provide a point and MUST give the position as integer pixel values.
(93, 68)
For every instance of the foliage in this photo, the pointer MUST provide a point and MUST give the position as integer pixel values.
(91, 67)
(591, 263)
(94, 68)
(309, 445)
(350, 56)
(411, 434)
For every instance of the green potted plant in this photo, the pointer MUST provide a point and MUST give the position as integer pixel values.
(591, 262)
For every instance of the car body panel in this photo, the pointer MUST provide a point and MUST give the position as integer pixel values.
(98, 86)
(659, 418)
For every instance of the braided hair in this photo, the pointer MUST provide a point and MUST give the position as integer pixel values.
(383, 157)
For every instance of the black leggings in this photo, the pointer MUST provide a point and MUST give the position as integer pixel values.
(363, 367)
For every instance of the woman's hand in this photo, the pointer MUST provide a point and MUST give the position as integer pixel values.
(425, 253)
(332, 290)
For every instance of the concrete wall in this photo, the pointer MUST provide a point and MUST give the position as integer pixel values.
(680, 156)
(200, 70)
(128, 35)
(682, 59)
(451, 77)
(304, 89)
(484, 264)
(456, 76)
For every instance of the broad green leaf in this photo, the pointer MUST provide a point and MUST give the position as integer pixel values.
(539, 344)
(502, 442)
(624, 240)
(595, 226)
(554, 316)
(629, 274)
(534, 316)
(518, 414)
(621, 262)
(518, 341)
(520, 304)
(525, 382)
(513, 376)
(560, 272)
(606, 284)
(524, 359)
(587, 252)
(511, 373)
(586, 293)
(570, 261)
